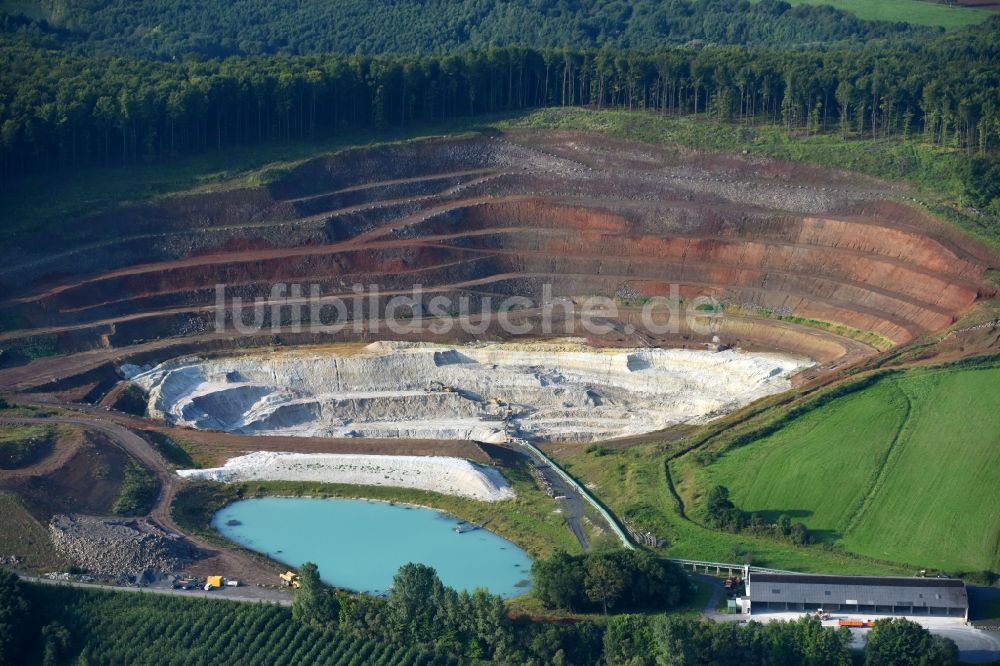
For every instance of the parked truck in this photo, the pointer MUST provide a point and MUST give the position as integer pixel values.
(290, 579)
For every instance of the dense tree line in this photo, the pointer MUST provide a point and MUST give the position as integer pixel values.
(255, 27)
(13, 610)
(420, 611)
(53, 625)
(721, 513)
(421, 622)
(619, 580)
(900, 642)
(666, 641)
(59, 110)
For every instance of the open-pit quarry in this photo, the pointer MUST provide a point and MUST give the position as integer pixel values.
(221, 305)
(827, 265)
(488, 393)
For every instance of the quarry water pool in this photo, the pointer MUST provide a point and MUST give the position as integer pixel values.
(360, 544)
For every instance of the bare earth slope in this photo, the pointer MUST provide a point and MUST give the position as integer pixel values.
(492, 217)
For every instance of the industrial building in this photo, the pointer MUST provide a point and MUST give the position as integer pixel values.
(859, 595)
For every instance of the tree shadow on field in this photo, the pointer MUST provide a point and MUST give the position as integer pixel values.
(772, 515)
(824, 536)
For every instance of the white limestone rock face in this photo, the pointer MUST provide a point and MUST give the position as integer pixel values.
(542, 391)
(451, 476)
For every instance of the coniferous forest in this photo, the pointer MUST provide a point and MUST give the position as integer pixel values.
(69, 102)
(213, 28)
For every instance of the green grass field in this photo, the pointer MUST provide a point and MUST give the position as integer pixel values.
(902, 471)
(917, 12)
(632, 483)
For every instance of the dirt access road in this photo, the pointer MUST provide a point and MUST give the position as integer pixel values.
(232, 563)
(244, 594)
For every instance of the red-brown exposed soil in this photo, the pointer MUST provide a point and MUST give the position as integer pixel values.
(82, 474)
(489, 218)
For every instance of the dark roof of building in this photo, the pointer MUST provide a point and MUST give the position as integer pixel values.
(895, 581)
(863, 590)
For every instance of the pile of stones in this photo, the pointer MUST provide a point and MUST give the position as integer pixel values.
(118, 548)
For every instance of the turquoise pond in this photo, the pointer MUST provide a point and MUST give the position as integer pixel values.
(359, 544)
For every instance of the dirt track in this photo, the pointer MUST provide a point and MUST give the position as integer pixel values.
(225, 562)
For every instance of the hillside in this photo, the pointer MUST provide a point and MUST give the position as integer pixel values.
(552, 331)
(901, 471)
(252, 27)
(71, 113)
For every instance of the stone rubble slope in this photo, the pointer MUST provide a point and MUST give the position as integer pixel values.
(118, 548)
(481, 392)
(450, 476)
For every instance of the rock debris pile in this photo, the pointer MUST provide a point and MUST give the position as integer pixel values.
(120, 549)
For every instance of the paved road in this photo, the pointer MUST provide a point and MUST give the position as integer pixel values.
(718, 591)
(244, 594)
(571, 504)
(975, 646)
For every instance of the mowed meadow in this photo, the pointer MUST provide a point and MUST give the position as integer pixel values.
(917, 12)
(902, 471)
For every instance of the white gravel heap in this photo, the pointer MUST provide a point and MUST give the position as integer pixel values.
(556, 391)
(451, 476)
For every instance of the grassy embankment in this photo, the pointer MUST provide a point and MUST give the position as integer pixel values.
(24, 536)
(867, 337)
(175, 450)
(13, 410)
(891, 478)
(138, 491)
(20, 532)
(21, 446)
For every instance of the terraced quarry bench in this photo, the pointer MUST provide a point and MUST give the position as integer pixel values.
(823, 264)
